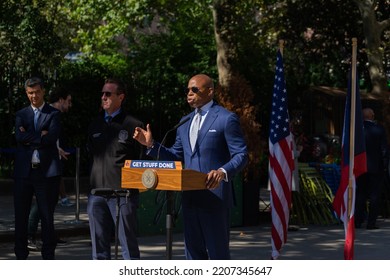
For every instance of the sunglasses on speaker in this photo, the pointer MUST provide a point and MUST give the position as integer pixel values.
(193, 89)
(107, 93)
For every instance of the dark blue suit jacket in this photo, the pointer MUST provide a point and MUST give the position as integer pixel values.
(220, 144)
(31, 139)
(376, 147)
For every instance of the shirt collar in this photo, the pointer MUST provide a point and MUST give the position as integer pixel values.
(113, 114)
(205, 108)
(39, 108)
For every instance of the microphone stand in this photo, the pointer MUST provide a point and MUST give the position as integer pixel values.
(118, 193)
(169, 198)
(169, 224)
(166, 134)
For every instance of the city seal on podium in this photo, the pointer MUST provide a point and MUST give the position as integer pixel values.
(149, 179)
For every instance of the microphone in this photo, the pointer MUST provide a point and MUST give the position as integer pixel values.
(172, 129)
(180, 123)
(108, 191)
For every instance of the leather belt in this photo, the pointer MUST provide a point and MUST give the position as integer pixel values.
(35, 165)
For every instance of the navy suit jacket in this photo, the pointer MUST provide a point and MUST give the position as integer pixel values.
(220, 144)
(31, 139)
(376, 147)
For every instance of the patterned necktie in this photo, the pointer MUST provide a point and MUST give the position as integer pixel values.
(36, 117)
(108, 119)
(35, 157)
(195, 128)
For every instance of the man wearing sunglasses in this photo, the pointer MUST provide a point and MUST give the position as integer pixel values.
(110, 144)
(211, 142)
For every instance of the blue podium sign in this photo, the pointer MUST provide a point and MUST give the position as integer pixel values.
(152, 164)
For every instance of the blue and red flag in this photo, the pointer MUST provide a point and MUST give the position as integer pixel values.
(344, 201)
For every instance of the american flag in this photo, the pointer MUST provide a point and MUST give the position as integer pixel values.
(281, 162)
(347, 188)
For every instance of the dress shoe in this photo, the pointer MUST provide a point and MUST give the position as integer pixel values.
(61, 243)
(372, 227)
(33, 245)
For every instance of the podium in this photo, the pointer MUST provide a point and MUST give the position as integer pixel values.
(166, 176)
(161, 175)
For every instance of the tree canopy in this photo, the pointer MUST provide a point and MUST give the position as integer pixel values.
(156, 45)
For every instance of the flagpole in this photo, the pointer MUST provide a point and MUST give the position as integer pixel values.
(352, 127)
(281, 46)
(354, 153)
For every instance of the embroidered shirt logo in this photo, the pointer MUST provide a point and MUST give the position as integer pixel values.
(123, 135)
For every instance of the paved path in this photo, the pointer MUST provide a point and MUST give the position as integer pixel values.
(247, 243)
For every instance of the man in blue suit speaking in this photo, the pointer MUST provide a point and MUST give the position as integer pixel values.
(211, 142)
(37, 168)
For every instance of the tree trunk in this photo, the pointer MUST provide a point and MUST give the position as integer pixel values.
(225, 49)
(234, 92)
(372, 32)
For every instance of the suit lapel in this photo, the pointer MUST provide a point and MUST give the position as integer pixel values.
(42, 117)
(186, 128)
(30, 117)
(210, 118)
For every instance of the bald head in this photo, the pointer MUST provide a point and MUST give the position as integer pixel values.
(205, 80)
(200, 90)
(368, 114)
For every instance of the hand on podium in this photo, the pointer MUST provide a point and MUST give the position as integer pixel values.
(214, 177)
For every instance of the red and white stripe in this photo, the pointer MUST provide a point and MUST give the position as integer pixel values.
(281, 166)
